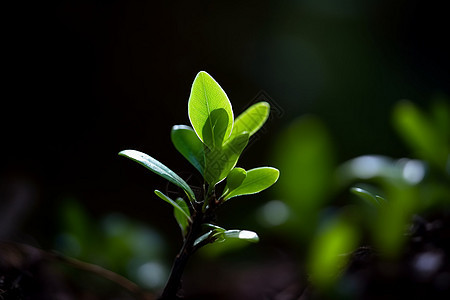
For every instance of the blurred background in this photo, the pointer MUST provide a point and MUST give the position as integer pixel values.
(87, 79)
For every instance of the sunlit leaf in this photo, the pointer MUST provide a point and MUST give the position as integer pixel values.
(207, 97)
(175, 205)
(182, 218)
(219, 162)
(244, 235)
(215, 128)
(218, 234)
(252, 119)
(189, 145)
(160, 169)
(257, 180)
(234, 179)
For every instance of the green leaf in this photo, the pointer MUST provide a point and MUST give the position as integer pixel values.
(160, 169)
(212, 226)
(235, 178)
(218, 234)
(207, 97)
(215, 128)
(220, 161)
(257, 180)
(420, 133)
(252, 119)
(204, 237)
(174, 204)
(329, 251)
(245, 235)
(182, 219)
(366, 196)
(189, 145)
(304, 152)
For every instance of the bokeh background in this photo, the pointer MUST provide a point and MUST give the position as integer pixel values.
(84, 80)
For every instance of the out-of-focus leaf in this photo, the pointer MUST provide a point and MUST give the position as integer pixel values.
(252, 119)
(402, 171)
(160, 169)
(175, 205)
(220, 161)
(440, 110)
(330, 251)
(206, 97)
(182, 218)
(366, 196)
(393, 218)
(257, 180)
(304, 153)
(420, 134)
(189, 145)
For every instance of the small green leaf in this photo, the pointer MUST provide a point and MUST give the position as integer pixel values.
(234, 179)
(218, 234)
(174, 204)
(214, 130)
(189, 145)
(220, 161)
(160, 169)
(206, 97)
(245, 235)
(257, 180)
(366, 196)
(204, 237)
(252, 119)
(181, 218)
(212, 226)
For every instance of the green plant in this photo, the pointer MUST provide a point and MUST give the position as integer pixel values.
(212, 145)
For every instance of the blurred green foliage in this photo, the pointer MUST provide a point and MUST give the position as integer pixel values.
(114, 242)
(304, 154)
(334, 209)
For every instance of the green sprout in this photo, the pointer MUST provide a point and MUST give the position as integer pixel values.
(213, 146)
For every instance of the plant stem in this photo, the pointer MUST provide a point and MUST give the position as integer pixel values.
(173, 284)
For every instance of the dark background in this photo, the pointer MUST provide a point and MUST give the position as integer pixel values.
(86, 79)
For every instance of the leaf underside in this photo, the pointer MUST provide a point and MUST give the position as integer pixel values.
(189, 145)
(160, 169)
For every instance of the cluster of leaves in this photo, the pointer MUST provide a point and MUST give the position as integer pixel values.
(213, 146)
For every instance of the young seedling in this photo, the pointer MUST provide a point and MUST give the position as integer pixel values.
(212, 145)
